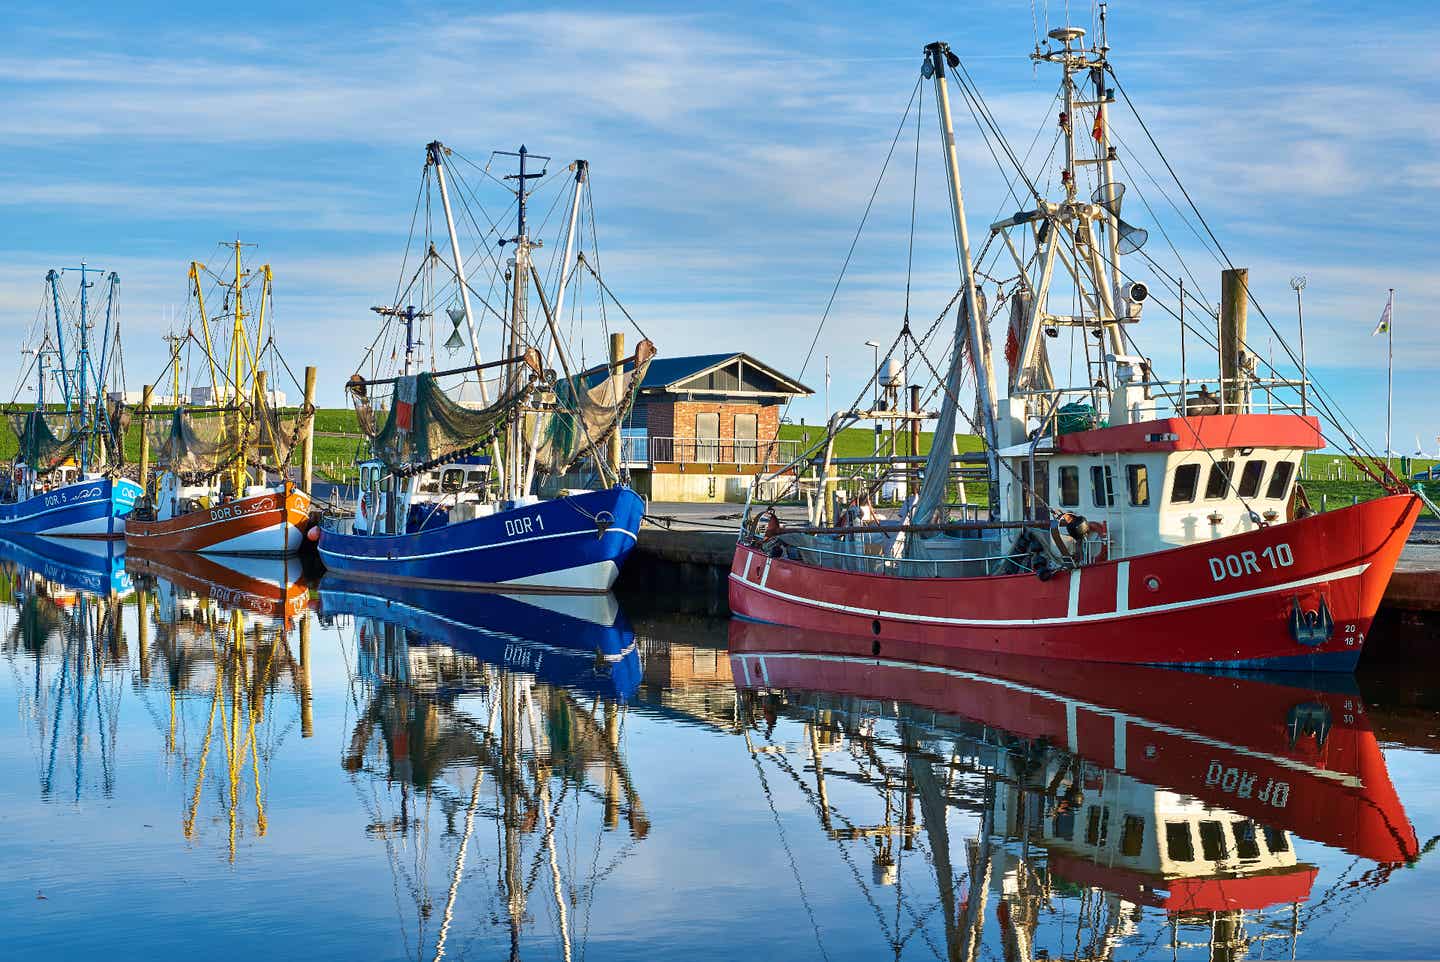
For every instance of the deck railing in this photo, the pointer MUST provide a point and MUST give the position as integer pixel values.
(639, 451)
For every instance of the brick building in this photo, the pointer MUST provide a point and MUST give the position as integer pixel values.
(704, 426)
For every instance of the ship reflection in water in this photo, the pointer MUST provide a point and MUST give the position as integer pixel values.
(261, 765)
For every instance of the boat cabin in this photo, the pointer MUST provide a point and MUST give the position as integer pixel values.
(1163, 483)
(458, 490)
(22, 483)
(174, 498)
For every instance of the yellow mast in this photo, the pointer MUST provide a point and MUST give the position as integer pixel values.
(195, 268)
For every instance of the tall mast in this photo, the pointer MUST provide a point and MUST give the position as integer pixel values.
(519, 297)
(939, 59)
(434, 152)
(105, 357)
(54, 278)
(1103, 97)
(237, 336)
(581, 170)
(81, 367)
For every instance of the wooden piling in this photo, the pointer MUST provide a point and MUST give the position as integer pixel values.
(145, 446)
(307, 443)
(1234, 298)
(617, 354)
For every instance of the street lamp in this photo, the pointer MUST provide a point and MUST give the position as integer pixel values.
(875, 399)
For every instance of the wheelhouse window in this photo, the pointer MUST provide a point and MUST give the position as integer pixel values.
(707, 437)
(1070, 487)
(1250, 477)
(1102, 486)
(452, 480)
(1132, 836)
(1280, 480)
(1212, 841)
(474, 480)
(1138, 477)
(1217, 483)
(1178, 842)
(1246, 845)
(1276, 840)
(1187, 480)
(1097, 826)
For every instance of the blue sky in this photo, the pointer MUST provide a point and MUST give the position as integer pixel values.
(733, 148)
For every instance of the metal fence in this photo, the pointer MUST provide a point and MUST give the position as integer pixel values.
(640, 451)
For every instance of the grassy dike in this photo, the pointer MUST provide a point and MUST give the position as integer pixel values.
(338, 440)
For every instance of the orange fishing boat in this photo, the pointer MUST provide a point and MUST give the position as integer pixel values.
(268, 521)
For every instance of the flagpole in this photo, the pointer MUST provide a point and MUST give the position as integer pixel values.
(1389, 371)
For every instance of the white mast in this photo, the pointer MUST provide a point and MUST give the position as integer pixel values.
(939, 58)
(581, 169)
(436, 151)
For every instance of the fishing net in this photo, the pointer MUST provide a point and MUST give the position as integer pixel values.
(198, 440)
(277, 433)
(422, 426)
(588, 410)
(45, 440)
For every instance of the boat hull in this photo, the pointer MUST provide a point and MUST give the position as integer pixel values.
(87, 509)
(1229, 603)
(95, 567)
(572, 543)
(1294, 751)
(268, 525)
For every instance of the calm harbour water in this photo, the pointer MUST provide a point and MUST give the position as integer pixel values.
(198, 759)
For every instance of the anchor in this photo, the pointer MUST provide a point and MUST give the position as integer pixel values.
(1308, 718)
(604, 521)
(1312, 627)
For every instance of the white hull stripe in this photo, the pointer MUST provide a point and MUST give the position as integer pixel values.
(467, 550)
(908, 616)
(1071, 706)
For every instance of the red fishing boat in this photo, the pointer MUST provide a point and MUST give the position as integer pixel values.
(1126, 519)
(268, 521)
(1294, 753)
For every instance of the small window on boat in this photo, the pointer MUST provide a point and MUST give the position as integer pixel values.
(1280, 480)
(1097, 826)
(452, 480)
(1217, 483)
(1246, 845)
(1187, 479)
(1139, 478)
(1276, 840)
(1102, 486)
(1070, 487)
(1132, 835)
(1177, 840)
(475, 478)
(1250, 477)
(1212, 840)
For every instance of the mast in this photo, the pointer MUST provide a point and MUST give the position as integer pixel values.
(100, 411)
(939, 58)
(81, 366)
(519, 297)
(54, 278)
(434, 152)
(581, 171)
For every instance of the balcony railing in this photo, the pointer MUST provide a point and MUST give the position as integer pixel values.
(640, 451)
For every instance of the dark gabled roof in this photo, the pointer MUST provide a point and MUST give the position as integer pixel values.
(670, 372)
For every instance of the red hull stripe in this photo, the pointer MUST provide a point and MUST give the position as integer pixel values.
(1071, 706)
(1122, 609)
(1214, 432)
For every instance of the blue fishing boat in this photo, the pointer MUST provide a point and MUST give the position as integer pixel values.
(580, 642)
(473, 479)
(93, 567)
(65, 479)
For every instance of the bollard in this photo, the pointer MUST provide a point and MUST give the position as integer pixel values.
(1323, 499)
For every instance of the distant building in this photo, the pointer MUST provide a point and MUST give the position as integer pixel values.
(704, 426)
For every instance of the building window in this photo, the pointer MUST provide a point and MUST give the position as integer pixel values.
(1217, 483)
(707, 437)
(1250, 477)
(1132, 836)
(1139, 478)
(1280, 480)
(1102, 486)
(1187, 479)
(1070, 487)
(745, 448)
(1178, 842)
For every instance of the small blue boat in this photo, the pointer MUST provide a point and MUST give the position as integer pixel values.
(580, 642)
(63, 481)
(499, 473)
(94, 567)
(575, 542)
(92, 508)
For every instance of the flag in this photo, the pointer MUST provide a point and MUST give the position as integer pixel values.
(1384, 324)
(1098, 131)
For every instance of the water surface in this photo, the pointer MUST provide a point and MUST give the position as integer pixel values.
(220, 759)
